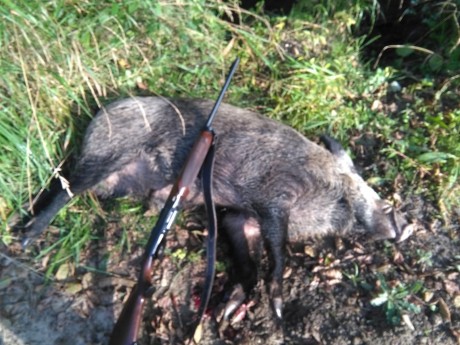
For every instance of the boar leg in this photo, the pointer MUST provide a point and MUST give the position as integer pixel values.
(246, 246)
(274, 224)
(245, 235)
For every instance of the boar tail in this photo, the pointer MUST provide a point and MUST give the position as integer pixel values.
(44, 217)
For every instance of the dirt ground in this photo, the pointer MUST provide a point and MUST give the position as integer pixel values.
(328, 288)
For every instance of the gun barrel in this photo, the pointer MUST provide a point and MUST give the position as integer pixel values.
(222, 92)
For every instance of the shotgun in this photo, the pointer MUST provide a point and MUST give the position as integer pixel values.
(200, 158)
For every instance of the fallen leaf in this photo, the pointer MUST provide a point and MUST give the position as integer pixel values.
(123, 63)
(141, 85)
(333, 282)
(398, 258)
(385, 268)
(408, 230)
(317, 269)
(333, 274)
(314, 283)
(73, 288)
(287, 272)
(366, 259)
(317, 336)
(457, 301)
(45, 260)
(444, 310)
(376, 105)
(198, 333)
(310, 251)
(408, 322)
(64, 271)
(428, 296)
(453, 276)
(87, 280)
(229, 47)
(451, 287)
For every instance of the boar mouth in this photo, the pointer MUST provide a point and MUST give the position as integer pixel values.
(390, 223)
(403, 230)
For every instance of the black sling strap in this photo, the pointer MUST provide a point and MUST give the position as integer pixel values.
(206, 177)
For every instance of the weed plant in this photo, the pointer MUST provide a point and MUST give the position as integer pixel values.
(395, 300)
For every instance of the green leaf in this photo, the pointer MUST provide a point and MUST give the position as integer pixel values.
(435, 157)
(416, 287)
(381, 299)
(435, 62)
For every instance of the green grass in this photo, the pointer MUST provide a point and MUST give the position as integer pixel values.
(60, 60)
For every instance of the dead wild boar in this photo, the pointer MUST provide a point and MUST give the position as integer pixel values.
(272, 184)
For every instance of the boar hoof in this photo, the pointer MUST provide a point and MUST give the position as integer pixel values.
(278, 307)
(237, 298)
(276, 299)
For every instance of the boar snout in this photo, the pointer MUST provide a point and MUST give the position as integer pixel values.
(390, 223)
(381, 220)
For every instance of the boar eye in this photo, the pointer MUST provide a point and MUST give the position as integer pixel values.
(386, 208)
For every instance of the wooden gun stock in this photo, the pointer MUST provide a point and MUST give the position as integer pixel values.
(127, 327)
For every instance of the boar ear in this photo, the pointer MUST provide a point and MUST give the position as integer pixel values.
(337, 150)
(332, 145)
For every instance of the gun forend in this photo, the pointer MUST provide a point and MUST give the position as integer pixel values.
(194, 163)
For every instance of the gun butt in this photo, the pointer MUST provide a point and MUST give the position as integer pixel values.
(127, 327)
